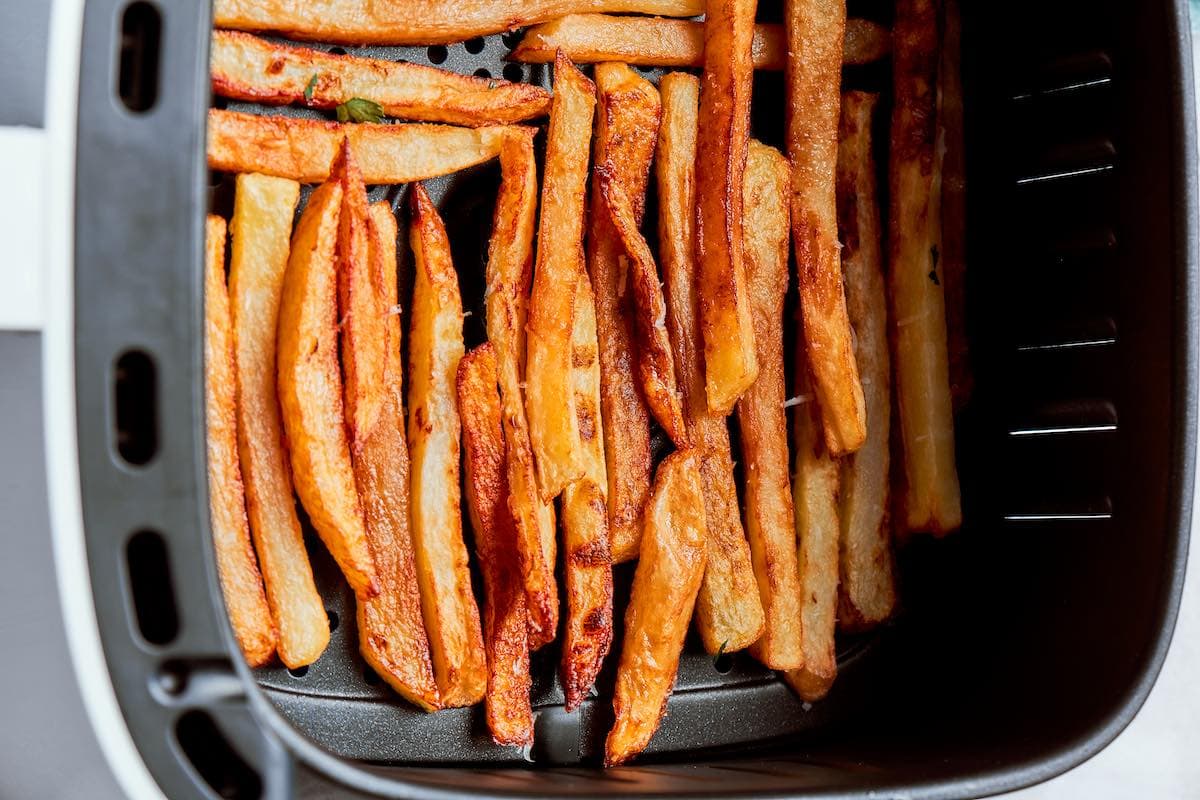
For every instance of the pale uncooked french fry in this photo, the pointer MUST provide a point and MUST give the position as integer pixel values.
(509, 272)
(673, 43)
(816, 31)
(770, 520)
(627, 119)
(549, 401)
(867, 588)
(263, 210)
(664, 592)
(509, 716)
(435, 349)
(246, 67)
(729, 612)
(418, 22)
(930, 500)
(730, 363)
(237, 567)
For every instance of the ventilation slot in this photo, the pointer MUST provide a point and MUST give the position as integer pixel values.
(217, 763)
(153, 594)
(135, 393)
(137, 81)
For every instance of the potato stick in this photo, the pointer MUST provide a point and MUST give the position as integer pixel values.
(815, 35)
(656, 364)
(549, 401)
(867, 591)
(509, 272)
(953, 202)
(509, 716)
(664, 593)
(627, 119)
(263, 210)
(417, 22)
(732, 615)
(391, 629)
(237, 567)
(302, 149)
(435, 349)
(931, 499)
(815, 494)
(770, 519)
(310, 391)
(729, 354)
(245, 67)
(674, 43)
(588, 558)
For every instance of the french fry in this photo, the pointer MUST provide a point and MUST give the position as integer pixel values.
(435, 349)
(302, 149)
(310, 391)
(656, 364)
(245, 67)
(770, 518)
(674, 43)
(815, 495)
(729, 613)
(729, 352)
(930, 500)
(509, 273)
(588, 557)
(549, 401)
(509, 716)
(391, 629)
(237, 567)
(627, 118)
(953, 202)
(261, 226)
(816, 31)
(664, 592)
(867, 593)
(418, 22)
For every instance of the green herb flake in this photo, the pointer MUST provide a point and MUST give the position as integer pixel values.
(356, 109)
(720, 652)
(308, 90)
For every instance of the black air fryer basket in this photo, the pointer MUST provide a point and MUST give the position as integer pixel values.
(1025, 642)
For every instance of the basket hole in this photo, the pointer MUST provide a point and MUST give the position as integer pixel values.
(514, 73)
(337, 51)
(723, 663)
(214, 759)
(137, 75)
(151, 588)
(474, 46)
(512, 38)
(370, 677)
(298, 672)
(483, 72)
(437, 54)
(333, 619)
(135, 392)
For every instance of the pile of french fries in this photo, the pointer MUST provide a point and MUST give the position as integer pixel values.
(593, 340)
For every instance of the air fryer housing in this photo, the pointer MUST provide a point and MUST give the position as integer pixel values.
(1025, 642)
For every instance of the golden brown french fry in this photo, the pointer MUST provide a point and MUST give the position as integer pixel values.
(867, 589)
(245, 67)
(391, 629)
(509, 716)
(418, 22)
(509, 273)
(656, 364)
(435, 349)
(627, 118)
(930, 501)
(729, 613)
(815, 495)
(657, 42)
(237, 567)
(588, 559)
(549, 401)
(954, 202)
(263, 210)
(729, 354)
(664, 592)
(816, 30)
(310, 391)
(770, 519)
(302, 149)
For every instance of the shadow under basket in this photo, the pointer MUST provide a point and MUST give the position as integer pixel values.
(1023, 644)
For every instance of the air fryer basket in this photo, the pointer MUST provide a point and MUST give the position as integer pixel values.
(1025, 642)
